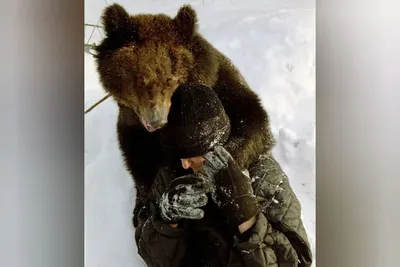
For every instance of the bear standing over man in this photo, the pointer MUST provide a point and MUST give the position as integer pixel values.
(141, 62)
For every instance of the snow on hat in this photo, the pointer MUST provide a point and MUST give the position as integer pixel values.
(196, 122)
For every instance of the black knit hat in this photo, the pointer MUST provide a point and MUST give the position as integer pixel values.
(196, 122)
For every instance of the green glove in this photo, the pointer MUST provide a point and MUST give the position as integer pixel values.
(232, 189)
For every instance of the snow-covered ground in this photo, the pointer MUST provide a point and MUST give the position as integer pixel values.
(272, 42)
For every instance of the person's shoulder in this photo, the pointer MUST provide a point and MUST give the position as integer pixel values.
(264, 161)
(269, 181)
(266, 168)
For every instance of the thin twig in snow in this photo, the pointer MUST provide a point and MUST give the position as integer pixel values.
(94, 28)
(91, 46)
(100, 32)
(93, 25)
(97, 103)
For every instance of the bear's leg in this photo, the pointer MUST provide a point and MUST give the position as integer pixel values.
(142, 154)
(250, 134)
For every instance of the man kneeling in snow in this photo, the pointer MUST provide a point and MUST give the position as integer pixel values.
(217, 215)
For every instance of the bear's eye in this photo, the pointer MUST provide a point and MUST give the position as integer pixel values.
(170, 82)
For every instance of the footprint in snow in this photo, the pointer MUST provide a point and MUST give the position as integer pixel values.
(288, 142)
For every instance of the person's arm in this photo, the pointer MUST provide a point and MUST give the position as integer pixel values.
(246, 225)
(262, 245)
(159, 244)
(160, 235)
(280, 204)
(259, 243)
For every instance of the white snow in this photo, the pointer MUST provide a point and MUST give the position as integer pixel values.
(272, 42)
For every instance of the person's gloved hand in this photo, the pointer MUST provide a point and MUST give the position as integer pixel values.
(232, 191)
(183, 199)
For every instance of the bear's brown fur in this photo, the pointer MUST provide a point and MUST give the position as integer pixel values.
(141, 62)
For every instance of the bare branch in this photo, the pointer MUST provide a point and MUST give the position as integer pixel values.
(94, 28)
(97, 103)
(93, 25)
(98, 29)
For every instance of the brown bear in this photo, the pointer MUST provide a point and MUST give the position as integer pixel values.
(143, 59)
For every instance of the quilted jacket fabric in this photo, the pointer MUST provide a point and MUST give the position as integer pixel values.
(277, 239)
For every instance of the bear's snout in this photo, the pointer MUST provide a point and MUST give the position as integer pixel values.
(154, 120)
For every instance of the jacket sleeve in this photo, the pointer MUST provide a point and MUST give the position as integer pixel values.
(158, 244)
(280, 205)
(264, 246)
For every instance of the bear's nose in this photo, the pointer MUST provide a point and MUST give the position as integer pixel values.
(154, 123)
(151, 127)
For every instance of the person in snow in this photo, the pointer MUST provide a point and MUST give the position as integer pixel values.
(217, 214)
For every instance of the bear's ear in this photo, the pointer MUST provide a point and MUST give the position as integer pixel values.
(115, 18)
(186, 23)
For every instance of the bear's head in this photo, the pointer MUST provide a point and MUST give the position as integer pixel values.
(144, 58)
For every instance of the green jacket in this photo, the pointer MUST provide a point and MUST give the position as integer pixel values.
(277, 239)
